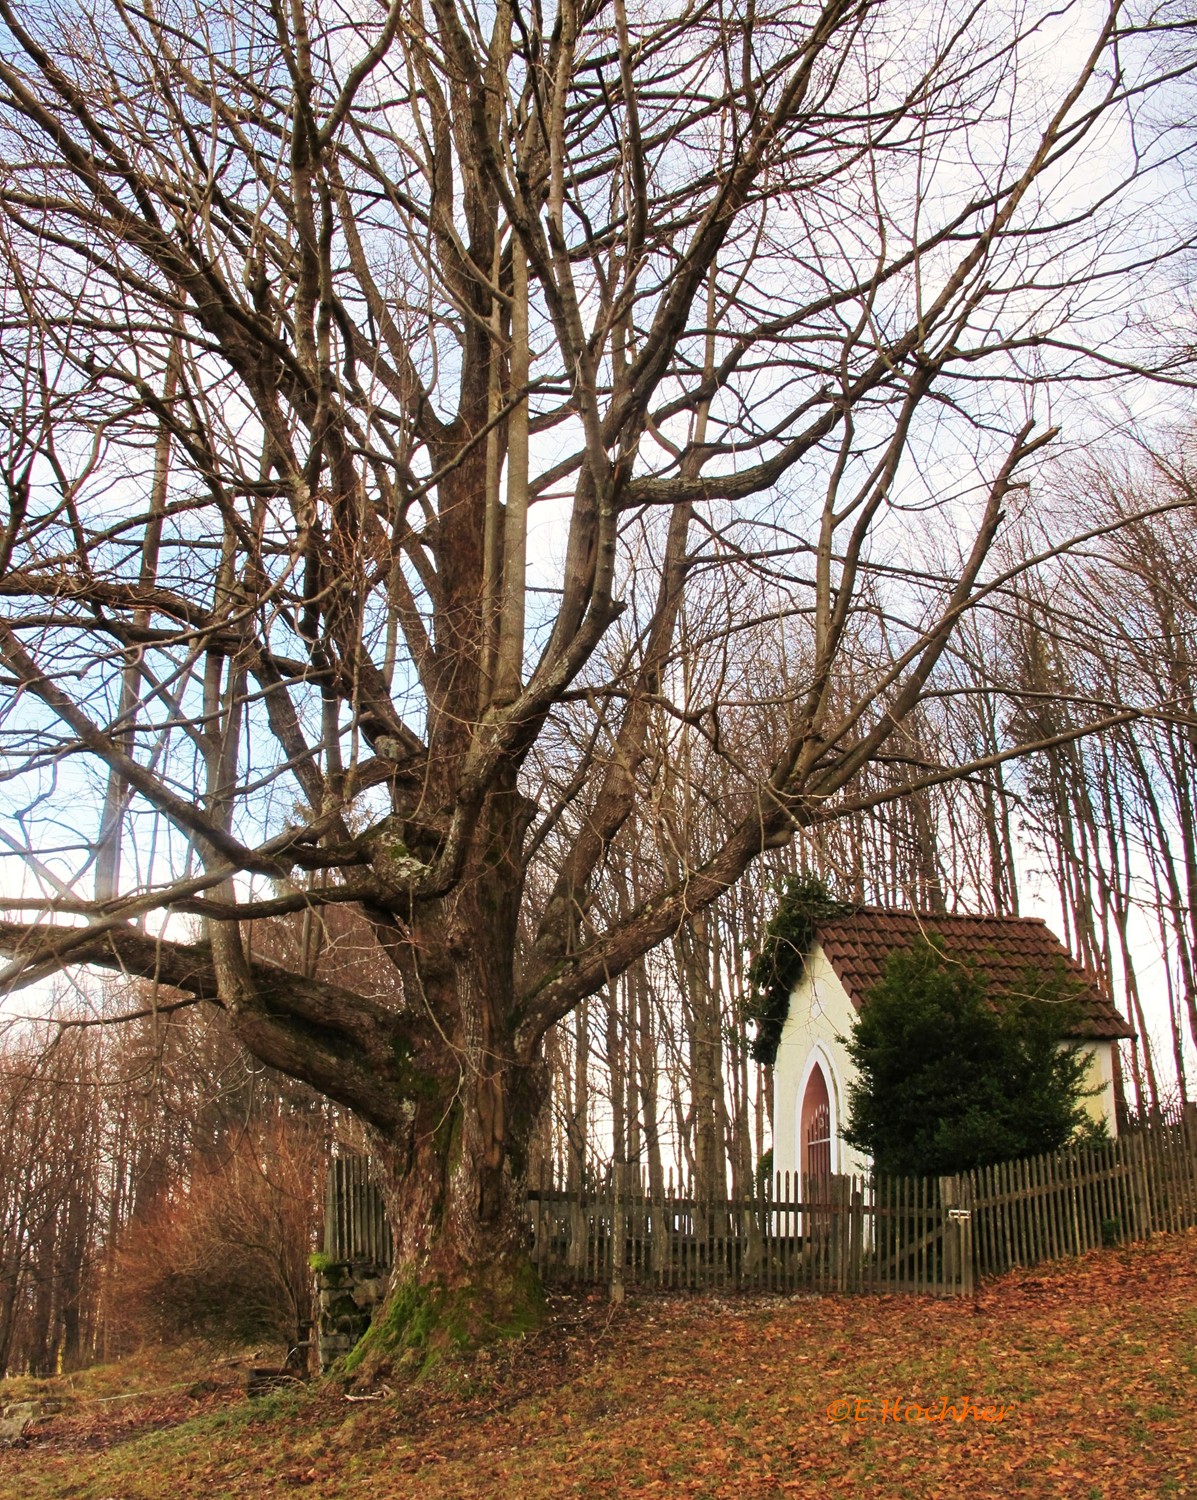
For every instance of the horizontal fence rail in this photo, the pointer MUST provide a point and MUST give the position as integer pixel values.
(838, 1233)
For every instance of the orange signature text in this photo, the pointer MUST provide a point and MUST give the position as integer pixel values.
(899, 1409)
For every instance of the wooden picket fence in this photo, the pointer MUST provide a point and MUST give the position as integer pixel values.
(355, 1222)
(846, 1234)
(1045, 1207)
(841, 1233)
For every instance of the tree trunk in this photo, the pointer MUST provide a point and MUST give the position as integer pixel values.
(453, 1161)
(448, 1092)
(453, 1177)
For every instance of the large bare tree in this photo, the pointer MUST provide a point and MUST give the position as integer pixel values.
(411, 410)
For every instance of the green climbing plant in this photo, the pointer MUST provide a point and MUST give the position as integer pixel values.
(778, 965)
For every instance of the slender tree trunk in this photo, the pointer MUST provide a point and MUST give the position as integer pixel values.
(647, 1079)
(617, 1075)
(577, 1124)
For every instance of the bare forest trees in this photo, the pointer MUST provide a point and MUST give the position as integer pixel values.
(415, 417)
(1114, 817)
(1101, 827)
(49, 1151)
(140, 1168)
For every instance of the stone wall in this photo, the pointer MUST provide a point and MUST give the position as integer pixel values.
(349, 1291)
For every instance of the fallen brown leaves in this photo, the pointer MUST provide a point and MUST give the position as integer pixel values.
(670, 1397)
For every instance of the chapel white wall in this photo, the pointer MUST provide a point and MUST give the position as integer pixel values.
(820, 1014)
(1099, 1075)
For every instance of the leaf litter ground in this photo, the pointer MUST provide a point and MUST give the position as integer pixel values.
(1094, 1361)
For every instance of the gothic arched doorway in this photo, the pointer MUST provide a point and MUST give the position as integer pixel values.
(815, 1127)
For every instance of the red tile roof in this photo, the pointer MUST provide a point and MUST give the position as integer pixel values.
(858, 943)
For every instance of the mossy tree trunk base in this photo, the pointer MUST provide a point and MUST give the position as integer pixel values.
(453, 1185)
(424, 1325)
(452, 1158)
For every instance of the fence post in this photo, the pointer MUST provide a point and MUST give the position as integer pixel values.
(1140, 1186)
(842, 1228)
(577, 1254)
(947, 1202)
(856, 1237)
(955, 1200)
(965, 1226)
(618, 1233)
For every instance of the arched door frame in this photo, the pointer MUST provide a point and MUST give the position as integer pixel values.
(818, 1057)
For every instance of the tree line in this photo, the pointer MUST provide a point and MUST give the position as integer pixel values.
(153, 1185)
